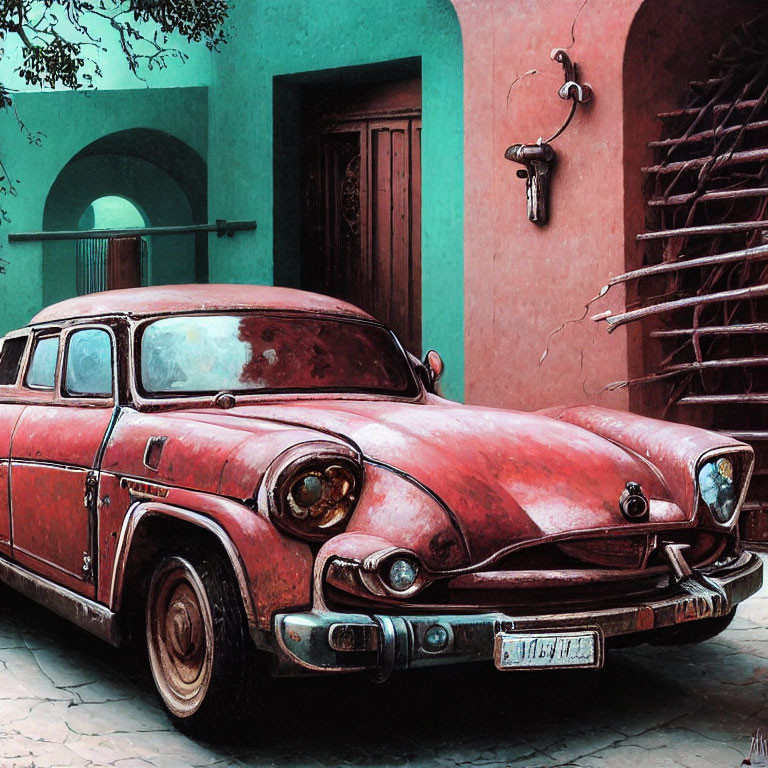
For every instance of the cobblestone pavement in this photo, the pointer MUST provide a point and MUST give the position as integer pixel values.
(68, 700)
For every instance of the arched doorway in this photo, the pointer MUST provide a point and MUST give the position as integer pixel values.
(697, 282)
(162, 177)
(95, 258)
(113, 212)
(358, 157)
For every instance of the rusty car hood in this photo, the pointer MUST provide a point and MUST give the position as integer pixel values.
(505, 476)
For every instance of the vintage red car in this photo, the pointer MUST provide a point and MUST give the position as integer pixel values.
(232, 472)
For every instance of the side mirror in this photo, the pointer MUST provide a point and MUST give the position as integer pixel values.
(434, 365)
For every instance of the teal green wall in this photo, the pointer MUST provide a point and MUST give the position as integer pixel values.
(273, 38)
(70, 122)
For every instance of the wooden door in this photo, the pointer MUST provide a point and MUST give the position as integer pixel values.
(362, 227)
(111, 262)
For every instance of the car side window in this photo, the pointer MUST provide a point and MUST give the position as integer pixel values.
(42, 366)
(10, 359)
(89, 363)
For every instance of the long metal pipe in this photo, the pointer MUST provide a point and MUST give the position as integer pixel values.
(706, 229)
(744, 434)
(220, 227)
(711, 330)
(747, 254)
(747, 397)
(719, 131)
(738, 294)
(735, 158)
(746, 104)
(730, 362)
(724, 194)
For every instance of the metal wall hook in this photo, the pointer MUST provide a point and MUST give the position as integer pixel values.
(539, 158)
(583, 91)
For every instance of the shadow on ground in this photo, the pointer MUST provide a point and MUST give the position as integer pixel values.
(67, 699)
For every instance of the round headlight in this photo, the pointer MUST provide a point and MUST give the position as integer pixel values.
(717, 488)
(402, 574)
(305, 493)
(311, 489)
(323, 497)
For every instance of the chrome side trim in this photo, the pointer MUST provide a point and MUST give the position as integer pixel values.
(86, 614)
(133, 518)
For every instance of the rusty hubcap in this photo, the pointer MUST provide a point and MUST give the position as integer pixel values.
(179, 636)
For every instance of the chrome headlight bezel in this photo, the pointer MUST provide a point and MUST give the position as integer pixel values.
(325, 461)
(375, 571)
(742, 460)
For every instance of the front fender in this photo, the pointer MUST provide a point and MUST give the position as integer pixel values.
(273, 572)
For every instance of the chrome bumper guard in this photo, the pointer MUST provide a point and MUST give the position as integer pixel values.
(347, 642)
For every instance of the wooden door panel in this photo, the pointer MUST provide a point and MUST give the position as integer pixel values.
(400, 299)
(394, 251)
(415, 269)
(362, 241)
(124, 262)
(381, 222)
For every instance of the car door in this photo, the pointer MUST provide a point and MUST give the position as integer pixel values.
(11, 355)
(55, 452)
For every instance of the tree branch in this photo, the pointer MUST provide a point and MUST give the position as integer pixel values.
(20, 27)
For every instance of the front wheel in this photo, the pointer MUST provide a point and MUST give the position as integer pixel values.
(197, 642)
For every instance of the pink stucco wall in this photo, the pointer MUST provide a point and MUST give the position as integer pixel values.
(522, 281)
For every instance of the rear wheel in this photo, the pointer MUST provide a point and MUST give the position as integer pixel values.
(199, 651)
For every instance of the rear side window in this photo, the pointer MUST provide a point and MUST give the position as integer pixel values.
(42, 367)
(89, 363)
(10, 359)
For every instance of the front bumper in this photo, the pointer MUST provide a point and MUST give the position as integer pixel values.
(346, 642)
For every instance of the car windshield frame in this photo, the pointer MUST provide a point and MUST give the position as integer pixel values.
(412, 390)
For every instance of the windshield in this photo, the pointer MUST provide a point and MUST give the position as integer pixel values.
(268, 352)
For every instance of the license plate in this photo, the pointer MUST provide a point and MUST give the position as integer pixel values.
(549, 650)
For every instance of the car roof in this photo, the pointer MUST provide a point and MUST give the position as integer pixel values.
(171, 299)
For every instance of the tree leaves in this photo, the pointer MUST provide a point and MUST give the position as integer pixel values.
(59, 62)
(55, 36)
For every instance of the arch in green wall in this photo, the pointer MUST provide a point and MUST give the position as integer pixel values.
(161, 175)
(111, 212)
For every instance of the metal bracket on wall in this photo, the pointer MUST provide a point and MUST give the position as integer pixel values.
(539, 158)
